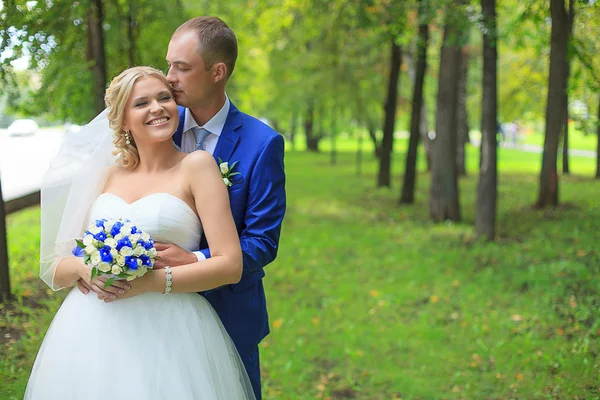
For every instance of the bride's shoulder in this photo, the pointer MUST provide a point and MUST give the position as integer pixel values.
(198, 159)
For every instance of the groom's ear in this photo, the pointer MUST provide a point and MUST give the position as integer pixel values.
(219, 72)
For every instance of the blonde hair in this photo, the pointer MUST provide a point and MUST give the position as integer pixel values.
(116, 98)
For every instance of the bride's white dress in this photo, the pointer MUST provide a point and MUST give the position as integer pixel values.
(147, 347)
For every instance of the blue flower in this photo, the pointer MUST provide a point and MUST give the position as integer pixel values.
(78, 251)
(100, 223)
(101, 236)
(116, 229)
(123, 242)
(131, 262)
(135, 230)
(146, 261)
(105, 254)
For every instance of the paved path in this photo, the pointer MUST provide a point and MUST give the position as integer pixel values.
(24, 160)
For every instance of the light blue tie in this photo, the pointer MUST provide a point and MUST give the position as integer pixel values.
(200, 134)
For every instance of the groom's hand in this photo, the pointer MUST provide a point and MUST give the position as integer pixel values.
(172, 255)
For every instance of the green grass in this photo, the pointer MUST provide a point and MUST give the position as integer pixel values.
(577, 140)
(370, 300)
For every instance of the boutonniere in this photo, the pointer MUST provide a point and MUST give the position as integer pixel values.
(227, 171)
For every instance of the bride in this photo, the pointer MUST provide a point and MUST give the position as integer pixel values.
(145, 342)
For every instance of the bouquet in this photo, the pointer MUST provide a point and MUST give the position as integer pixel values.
(116, 248)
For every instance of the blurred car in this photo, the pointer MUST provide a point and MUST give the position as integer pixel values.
(23, 127)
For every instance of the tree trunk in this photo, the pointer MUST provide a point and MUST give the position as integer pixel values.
(555, 116)
(598, 145)
(485, 219)
(444, 202)
(462, 124)
(131, 24)
(373, 135)
(4, 275)
(565, 157)
(427, 143)
(312, 141)
(95, 51)
(387, 144)
(410, 172)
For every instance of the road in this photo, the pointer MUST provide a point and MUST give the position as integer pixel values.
(24, 160)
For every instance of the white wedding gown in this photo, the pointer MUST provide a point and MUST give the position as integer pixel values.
(151, 346)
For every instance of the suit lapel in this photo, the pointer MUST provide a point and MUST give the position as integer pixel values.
(230, 136)
(179, 132)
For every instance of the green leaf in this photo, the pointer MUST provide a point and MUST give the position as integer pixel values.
(94, 273)
(232, 166)
(109, 282)
(234, 173)
(220, 161)
(123, 275)
(80, 244)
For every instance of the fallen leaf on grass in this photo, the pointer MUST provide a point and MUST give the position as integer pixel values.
(516, 318)
(277, 323)
(434, 299)
(519, 376)
(373, 293)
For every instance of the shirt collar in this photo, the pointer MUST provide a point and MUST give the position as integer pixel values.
(215, 125)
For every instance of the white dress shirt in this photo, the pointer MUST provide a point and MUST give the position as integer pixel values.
(215, 126)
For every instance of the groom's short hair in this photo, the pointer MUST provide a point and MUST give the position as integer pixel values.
(216, 41)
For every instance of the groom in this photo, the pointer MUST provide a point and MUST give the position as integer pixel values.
(201, 57)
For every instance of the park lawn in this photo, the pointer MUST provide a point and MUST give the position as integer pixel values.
(369, 300)
(577, 140)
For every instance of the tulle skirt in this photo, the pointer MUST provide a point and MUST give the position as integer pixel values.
(148, 347)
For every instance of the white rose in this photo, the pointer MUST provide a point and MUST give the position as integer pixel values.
(116, 270)
(95, 258)
(226, 182)
(134, 238)
(110, 242)
(126, 251)
(121, 261)
(108, 225)
(224, 166)
(114, 253)
(152, 252)
(138, 251)
(145, 237)
(104, 267)
(87, 240)
(95, 229)
(127, 228)
(89, 250)
(119, 237)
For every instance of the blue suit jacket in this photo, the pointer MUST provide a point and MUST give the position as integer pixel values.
(257, 199)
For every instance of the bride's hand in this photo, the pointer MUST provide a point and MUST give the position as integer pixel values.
(144, 284)
(97, 284)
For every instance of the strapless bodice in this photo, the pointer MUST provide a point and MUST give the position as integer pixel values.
(165, 217)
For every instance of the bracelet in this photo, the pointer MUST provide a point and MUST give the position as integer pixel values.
(169, 280)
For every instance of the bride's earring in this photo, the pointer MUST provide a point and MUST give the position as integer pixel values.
(127, 138)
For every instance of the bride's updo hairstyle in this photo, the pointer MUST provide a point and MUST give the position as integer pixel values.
(116, 97)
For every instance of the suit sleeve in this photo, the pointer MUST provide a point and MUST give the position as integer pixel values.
(266, 208)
